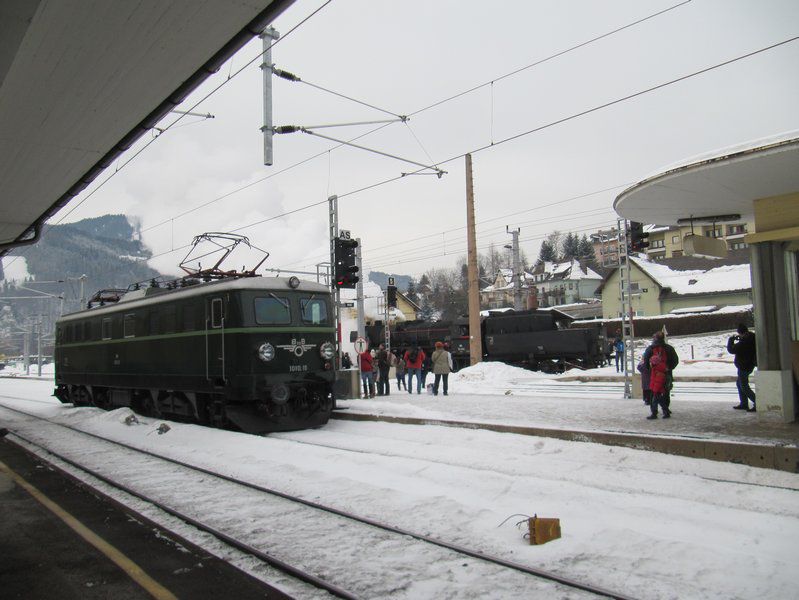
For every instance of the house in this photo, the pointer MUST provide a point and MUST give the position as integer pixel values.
(667, 241)
(606, 247)
(564, 283)
(374, 307)
(407, 309)
(667, 285)
(500, 293)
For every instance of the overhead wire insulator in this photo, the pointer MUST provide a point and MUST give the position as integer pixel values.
(285, 74)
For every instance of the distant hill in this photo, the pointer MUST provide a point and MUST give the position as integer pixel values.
(381, 279)
(106, 249)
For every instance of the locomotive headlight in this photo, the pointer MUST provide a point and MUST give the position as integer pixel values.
(266, 352)
(327, 350)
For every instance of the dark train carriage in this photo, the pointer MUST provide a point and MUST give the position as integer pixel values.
(542, 340)
(407, 334)
(421, 333)
(251, 353)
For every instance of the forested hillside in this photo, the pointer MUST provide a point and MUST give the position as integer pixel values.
(105, 249)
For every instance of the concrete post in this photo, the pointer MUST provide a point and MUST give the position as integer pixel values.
(775, 387)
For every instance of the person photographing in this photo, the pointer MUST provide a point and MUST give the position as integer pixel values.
(743, 346)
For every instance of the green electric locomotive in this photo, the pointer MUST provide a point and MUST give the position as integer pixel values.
(248, 353)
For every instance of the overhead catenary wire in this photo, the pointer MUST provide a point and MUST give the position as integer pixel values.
(203, 99)
(533, 130)
(503, 217)
(283, 74)
(548, 58)
(173, 124)
(586, 111)
(462, 250)
(431, 106)
(500, 231)
(493, 237)
(438, 171)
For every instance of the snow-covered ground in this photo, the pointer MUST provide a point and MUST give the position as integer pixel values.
(650, 525)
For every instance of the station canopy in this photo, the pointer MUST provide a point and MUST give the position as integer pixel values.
(724, 182)
(80, 82)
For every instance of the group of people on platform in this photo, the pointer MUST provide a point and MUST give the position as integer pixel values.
(375, 366)
(660, 359)
(656, 367)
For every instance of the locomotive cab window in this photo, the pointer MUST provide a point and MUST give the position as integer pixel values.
(129, 326)
(272, 311)
(106, 329)
(217, 314)
(313, 310)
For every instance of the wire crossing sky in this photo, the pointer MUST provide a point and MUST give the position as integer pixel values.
(560, 105)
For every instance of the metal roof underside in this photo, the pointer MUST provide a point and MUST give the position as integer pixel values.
(81, 81)
(727, 183)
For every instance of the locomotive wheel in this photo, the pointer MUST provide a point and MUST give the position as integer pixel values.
(149, 407)
(101, 400)
(80, 396)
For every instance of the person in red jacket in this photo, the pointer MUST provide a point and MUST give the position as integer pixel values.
(413, 364)
(366, 363)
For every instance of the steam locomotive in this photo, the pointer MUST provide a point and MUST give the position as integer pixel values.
(535, 339)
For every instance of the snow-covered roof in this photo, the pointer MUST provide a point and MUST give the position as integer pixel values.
(569, 271)
(728, 278)
(694, 309)
(485, 313)
(771, 140)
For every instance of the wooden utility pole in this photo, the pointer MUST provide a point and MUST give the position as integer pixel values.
(475, 340)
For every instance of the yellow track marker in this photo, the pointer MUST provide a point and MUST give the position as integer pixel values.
(134, 571)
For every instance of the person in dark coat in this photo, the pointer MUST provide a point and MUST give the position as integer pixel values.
(346, 361)
(643, 368)
(662, 359)
(743, 347)
(383, 367)
(618, 347)
(399, 365)
(427, 366)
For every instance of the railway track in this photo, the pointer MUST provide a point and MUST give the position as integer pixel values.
(312, 542)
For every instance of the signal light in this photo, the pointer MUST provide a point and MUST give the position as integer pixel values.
(637, 237)
(391, 296)
(346, 263)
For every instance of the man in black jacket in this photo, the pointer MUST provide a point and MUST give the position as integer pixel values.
(743, 347)
(383, 367)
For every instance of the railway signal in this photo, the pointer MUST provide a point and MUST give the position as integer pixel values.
(346, 263)
(391, 296)
(638, 237)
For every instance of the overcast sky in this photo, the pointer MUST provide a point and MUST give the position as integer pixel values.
(402, 56)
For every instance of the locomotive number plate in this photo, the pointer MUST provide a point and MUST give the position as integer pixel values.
(297, 368)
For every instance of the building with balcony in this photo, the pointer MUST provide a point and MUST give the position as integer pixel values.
(667, 241)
